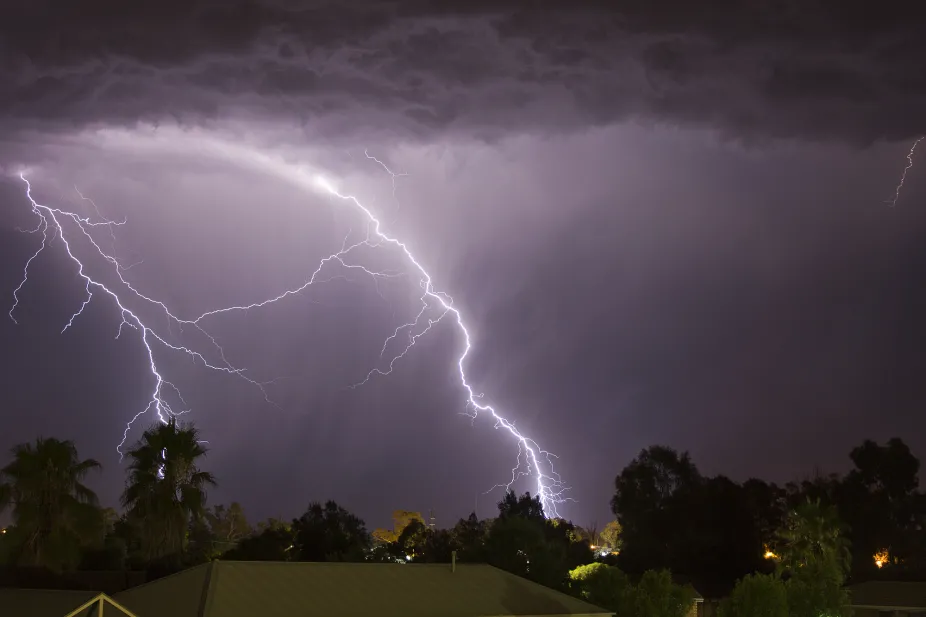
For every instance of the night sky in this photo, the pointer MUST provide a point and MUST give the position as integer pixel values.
(669, 224)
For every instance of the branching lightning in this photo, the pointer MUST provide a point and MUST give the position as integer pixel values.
(166, 400)
(903, 176)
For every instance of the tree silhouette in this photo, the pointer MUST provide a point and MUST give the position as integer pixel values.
(54, 513)
(166, 488)
(329, 533)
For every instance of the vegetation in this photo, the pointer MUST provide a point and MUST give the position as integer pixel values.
(772, 551)
(56, 515)
(166, 490)
(757, 595)
(655, 595)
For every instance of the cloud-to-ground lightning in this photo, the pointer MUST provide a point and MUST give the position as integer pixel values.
(166, 400)
(52, 220)
(903, 175)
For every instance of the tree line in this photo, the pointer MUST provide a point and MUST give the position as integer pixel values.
(794, 546)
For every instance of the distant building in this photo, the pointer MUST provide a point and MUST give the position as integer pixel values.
(888, 599)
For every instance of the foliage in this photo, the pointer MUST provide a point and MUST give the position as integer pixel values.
(329, 533)
(403, 518)
(413, 539)
(519, 546)
(602, 585)
(525, 507)
(382, 536)
(438, 547)
(649, 503)
(669, 517)
(672, 517)
(274, 542)
(757, 595)
(468, 537)
(611, 536)
(814, 536)
(524, 542)
(166, 489)
(813, 592)
(55, 515)
(814, 555)
(656, 595)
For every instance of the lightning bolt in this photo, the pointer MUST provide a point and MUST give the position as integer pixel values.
(903, 176)
(166, 400)
(165, 396)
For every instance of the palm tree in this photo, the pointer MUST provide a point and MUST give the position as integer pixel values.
(54, 513)
(166, 489)
(814, 536)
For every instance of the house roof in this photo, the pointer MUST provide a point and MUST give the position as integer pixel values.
(41, 602)
(889, 594)
(52, 603)
(277, 589)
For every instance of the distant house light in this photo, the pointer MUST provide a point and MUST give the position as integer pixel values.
(882, 558)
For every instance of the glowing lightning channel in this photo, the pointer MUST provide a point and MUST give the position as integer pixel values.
(903, 176)
(52, 220)
(393, 174)
(531, 459)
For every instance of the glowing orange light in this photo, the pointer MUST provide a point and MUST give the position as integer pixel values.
(769, 554)
(882, 557)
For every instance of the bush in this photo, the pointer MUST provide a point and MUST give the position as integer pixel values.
(602, 585)
(656, 595)
(757, 595)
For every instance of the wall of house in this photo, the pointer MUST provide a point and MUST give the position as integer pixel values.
(874, 612)
(708, 608)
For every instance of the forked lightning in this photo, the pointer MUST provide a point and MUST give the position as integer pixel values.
(166, 400)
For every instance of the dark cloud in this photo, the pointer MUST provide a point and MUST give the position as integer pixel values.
(751, 69)
(625, 286)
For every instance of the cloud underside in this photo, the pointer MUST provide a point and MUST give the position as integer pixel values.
(816, 70)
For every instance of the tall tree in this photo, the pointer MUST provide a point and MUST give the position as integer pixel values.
(166, 488)
(228, 525)
(54, 513)
(815, 559)
(523, 541)
(329, 533)
(272, 542)
(813, 533)
(525, 506)
(649, 503)
(400, 520)
(469, 537)
(611, 536)
(881, 503)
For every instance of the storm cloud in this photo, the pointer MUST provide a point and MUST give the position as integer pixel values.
(821, 70)
(576, 179)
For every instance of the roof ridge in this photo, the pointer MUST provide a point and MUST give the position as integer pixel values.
(164, 578)
(206, 595)
(539, 586)
(92, 592)
(352, 563)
